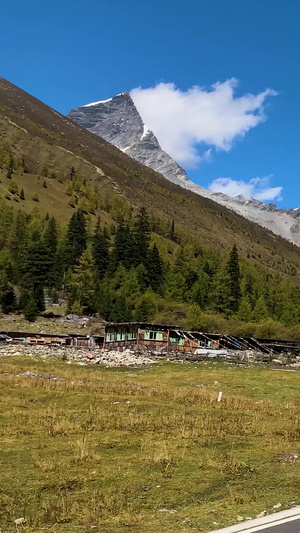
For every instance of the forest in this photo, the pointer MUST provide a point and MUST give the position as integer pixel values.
(117, 272)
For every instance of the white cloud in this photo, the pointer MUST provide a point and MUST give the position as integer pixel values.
(182, 120)
(258, 188)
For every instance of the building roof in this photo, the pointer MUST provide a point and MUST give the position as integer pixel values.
(141, 324)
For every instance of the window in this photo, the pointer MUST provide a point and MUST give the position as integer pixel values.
(121, 335)
(153, 335)
(131, 334)
(205, 343)
(110, 336)
(177, 338)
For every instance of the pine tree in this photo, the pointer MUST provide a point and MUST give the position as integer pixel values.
(245, 309)
(8, 300)
(221, 293)
(72, 174)
(260, 311)
(75, 239)
(200, 291)
(233, 270)
(100, 250)
(50, 241)
(22, 195)
(154, 268)
(104, 303)
(123, 245)
(81, 284)
(121, 311)
(172, 232)
(31, 310)
(141, 239)
(146, 309)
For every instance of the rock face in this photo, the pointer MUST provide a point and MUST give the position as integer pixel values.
(118, 121)
(283, 222)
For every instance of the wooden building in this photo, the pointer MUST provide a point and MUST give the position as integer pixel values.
(127, 334)
(48, 339)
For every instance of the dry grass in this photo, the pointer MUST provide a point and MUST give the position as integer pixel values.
(111, 448)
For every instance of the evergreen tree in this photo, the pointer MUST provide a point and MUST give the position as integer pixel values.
(154, 268)
(141, 239)
(39, 297)
(104, 303)
(75, 239)
(172, 232)
(72, 174)
(81, 284)
(100, 250)
(221, 293)
(245, 309)
(8, 299)
(31, 310)
(146, 309)
(233, 270)
(121, 311)
(123, 245)
(200, 291)
(50, 241)
(22, 195)
(194, 318)
(260, 311)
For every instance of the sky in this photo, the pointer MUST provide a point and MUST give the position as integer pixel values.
(218, 81)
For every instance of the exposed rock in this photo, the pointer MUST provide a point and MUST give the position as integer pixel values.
(20, 521)
(118, 121)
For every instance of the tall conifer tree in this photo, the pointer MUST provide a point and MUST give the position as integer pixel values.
(76, 239)
(233, 270)
(141, 235)
(100, 250)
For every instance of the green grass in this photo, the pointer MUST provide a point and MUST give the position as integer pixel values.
(76, 454)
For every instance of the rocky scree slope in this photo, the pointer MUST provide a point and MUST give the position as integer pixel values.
(119, 122)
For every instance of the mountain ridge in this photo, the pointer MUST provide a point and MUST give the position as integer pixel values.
(119, 122)
(36, 131)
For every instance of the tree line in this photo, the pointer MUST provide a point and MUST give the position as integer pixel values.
(121, 271)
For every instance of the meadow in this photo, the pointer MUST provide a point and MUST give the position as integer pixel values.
(145, 449)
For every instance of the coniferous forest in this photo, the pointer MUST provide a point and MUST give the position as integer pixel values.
(118, 273)
(126, 244)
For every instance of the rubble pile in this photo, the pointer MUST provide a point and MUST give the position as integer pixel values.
(140, 355)
(80, 356)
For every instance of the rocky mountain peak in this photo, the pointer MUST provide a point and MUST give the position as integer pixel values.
(118, 121)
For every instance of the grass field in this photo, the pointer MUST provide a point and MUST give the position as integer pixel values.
(117, 449)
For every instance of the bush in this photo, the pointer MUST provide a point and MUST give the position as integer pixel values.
(35, 198)
(31, 311)
(13, 188)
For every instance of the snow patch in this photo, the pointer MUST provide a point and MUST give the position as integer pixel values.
(96, 103)
(145, 132)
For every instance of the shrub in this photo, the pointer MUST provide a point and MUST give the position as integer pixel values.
(31, 311)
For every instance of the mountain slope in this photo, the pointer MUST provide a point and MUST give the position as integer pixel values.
(38, 133)
(118, 121)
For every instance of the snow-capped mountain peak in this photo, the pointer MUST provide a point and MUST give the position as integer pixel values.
(118, 121)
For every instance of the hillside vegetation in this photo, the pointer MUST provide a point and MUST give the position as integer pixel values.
(145, 449)
(82, 221)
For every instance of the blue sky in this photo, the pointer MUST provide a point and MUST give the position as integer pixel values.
(71, 53)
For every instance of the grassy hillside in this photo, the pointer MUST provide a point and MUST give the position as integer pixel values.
(43, 137)
(147, 449)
